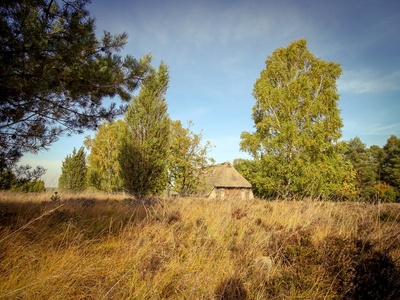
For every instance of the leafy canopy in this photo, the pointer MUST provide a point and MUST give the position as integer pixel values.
(297, 124)
(187, 157)
(391, 164)
(22, 179)
(103, 166)
(365, 167)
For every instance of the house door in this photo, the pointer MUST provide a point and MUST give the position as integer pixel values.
(233, 193)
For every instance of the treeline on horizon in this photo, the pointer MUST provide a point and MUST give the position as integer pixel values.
(375, 172)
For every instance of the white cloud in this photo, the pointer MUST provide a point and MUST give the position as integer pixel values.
(367, 128)
(368, 81)
(203, 22)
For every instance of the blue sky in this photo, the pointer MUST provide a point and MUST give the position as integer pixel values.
(216, 50)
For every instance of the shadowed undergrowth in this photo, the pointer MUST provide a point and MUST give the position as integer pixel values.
(113, 247)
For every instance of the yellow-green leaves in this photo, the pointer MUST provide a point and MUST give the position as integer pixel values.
(187, 157)
(103, 167)
(297, 121)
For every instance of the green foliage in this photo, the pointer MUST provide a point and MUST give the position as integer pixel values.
(298, 124)
(55, 197)
(22, 179)
(144, 147)
(187, 157)
(73, 175)
(250, 169)
(34, 186)
(377, 174)
(385, 192)
(377, 156)
(103, 166)
(365, 167)
(391, 163)
(54, 72)
(7, 180)
(9, 158)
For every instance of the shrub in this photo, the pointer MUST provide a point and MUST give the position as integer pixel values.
(34, 186)
(385, 192)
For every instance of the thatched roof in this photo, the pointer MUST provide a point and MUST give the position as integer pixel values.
(224, 175)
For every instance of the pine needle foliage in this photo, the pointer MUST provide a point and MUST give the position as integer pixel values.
(73, 173)
(54, 72)
(144, 146)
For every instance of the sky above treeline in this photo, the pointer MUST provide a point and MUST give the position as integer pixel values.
(216, 50)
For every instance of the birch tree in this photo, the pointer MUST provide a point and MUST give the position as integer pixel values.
(297, 124)
(104, 171)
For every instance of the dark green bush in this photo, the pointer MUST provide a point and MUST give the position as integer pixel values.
(34, 186)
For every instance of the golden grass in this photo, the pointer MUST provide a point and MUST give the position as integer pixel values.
(97, 246)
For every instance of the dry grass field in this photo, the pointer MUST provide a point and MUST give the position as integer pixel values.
(93, 246)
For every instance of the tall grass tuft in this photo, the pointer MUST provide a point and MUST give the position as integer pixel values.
(98, 246)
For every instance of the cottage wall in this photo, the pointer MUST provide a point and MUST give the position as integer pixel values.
(225, 193)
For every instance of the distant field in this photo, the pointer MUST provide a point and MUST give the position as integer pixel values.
(94, 246)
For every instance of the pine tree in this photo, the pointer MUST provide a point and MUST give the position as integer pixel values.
(73, 175)
(366, 170)
(54, 74)
(377, 156)
(144, 148)
(391, 164)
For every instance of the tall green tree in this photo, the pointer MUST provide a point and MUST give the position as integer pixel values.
(365, 167)
(54, 73)
(144, 148)
(298, 124)
(187, 157)
(391, 163)
(377, 156)
(73, 173)
(103, 167)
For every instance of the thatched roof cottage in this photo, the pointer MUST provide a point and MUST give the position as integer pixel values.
(223, 181)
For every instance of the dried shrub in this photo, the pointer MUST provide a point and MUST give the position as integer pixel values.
(238, 214)
(231, 288)
(376, 277)
(358, 271)
(173, 216)
(338, 257)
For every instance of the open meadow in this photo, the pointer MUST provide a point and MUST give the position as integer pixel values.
(97, 246)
